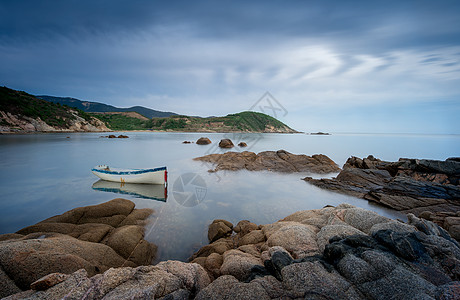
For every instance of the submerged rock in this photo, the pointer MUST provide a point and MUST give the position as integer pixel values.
(279, 161)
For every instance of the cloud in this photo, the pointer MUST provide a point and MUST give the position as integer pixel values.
(209, 58)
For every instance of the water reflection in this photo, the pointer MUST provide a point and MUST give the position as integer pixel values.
(146, 191)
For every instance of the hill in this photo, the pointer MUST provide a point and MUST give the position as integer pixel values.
(20, 111)
(247, 121)
(88, 106)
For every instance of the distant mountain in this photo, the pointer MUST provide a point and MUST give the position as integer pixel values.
(22, 112)
(88, 106)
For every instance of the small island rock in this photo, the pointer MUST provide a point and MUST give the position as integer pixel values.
(242, 144)
(226, 143)
(203, 141)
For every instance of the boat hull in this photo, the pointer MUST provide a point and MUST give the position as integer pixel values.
(148, 176)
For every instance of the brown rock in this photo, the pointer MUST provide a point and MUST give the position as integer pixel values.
(243, 227)
(253, 237)
(213, 263)
(48, 281)
(242, 144)
(238, 264)
(128, 241)
(108, 212)
(186, 142)
(203, 141)
(226, 143)
(219, 229)
(280, 161)
(123, 136)
(112, 136)
(36, 255)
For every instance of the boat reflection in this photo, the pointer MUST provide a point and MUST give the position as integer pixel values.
(157, 192)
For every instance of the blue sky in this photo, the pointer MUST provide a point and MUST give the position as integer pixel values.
(338, 66)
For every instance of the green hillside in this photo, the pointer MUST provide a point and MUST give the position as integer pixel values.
(21, 103)
(121, 122)
(247, 121)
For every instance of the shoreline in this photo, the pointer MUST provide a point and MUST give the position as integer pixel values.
(341, 252)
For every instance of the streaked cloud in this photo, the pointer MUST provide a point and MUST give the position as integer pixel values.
(213, 58)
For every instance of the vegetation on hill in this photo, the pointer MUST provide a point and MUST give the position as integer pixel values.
(21, 103)
(121, 122)
(89, 106)
(247, 121)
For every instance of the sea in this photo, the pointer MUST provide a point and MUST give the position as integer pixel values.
(43, 175)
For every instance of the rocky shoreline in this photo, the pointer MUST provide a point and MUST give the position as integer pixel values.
(341, 252)
(426, 188)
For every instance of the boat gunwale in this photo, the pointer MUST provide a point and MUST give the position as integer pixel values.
(133, 172)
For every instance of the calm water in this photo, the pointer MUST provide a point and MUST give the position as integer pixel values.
(47, 174)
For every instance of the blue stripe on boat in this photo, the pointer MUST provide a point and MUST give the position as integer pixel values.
(130, 172)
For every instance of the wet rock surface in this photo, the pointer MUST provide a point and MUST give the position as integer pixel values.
(95, 238)
(341, 252)
(426, 188)
(279, 161)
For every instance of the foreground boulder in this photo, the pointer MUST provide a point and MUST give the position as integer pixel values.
(341, 252)
(170, 279)
(426, 188)
(95, 238)
(278, 161)
(333, 253)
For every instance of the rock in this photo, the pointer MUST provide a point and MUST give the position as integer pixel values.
(298, 239)
(171, 279)
(121, 136)
(228, 287)
(128, 241)
(203, 141)
(330, 231)
(94, 238)
(186, 142)
(311, 279)
(253, 237)
(7, 286)
(363, 219)
(242, 144)
(244, 227)
(213, 263)
(279, 161)
(219, 229)
(112, 136)
(226, 143)
(48, 281)
(28, 259)
(238, 264)
(386, 260)
(427, 188)
(193, 276)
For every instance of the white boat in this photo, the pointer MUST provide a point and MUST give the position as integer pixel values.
(149, 176)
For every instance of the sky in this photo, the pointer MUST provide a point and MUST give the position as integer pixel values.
(335, 66)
